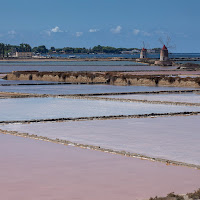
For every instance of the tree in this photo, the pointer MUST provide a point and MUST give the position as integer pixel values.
(2, 50)
(24, 48)
(40, 49)
(52, 49)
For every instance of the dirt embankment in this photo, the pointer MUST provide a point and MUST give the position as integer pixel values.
(190, 196)
(112, 78)
(189, 66)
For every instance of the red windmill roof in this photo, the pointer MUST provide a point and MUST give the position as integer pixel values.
(164, 48)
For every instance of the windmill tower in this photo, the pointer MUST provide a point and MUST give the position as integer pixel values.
(164, 54)
(143, 53)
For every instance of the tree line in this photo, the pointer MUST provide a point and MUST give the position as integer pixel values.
(6, 49)
(72, 50)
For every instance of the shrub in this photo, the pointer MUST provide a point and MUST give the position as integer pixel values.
(170, 196)
(195, 195)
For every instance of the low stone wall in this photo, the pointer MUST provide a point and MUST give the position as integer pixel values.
(112, 78)
(58, 77)
(152, 115)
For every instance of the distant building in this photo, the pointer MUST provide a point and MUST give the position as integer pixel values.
(143, 53)
(130, 52)
(164, 54)
(164, 58)
(24, 54)
(151, 51)
(135, 51)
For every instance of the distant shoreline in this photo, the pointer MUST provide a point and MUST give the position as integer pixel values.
(149, 61)
(66, 59)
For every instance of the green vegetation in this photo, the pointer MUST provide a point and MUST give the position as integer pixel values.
(6, 49)
(40, 49)
(95, 49)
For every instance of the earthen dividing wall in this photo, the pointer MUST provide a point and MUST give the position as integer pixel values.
(105, 79)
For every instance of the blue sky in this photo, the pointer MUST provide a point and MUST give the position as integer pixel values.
(86, 23)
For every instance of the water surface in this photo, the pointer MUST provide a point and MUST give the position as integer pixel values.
(69, 63)
(84, 89)
(182, 97)
(40, 170)
(136, 55)
(28, 82)
(28, 67)
(51, 108)
(9, 66)
(173, 138)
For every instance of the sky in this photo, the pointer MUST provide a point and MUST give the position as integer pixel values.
(87, 23)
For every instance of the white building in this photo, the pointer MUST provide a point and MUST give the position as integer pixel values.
(24, 54)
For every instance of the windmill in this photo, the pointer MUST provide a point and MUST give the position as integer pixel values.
(164, 57)
(165, 49)
(143, 53)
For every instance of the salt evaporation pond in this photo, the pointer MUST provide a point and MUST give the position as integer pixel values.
(28, 82)
(28, 165)
(78, 66)
(181, 97)
(83, 89)
(70, 63)
(51, 108)
(173, 138)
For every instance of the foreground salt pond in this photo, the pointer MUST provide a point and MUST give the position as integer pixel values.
(181, 97)
(83, 89)
(41, 170)
(173, 138)
(53, 108)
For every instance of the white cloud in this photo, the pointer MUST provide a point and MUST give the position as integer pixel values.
(56, 30)
(78, 34)
(93, 30)
(144, 33)
(136, 31)
(116, 30)
(12, 32)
